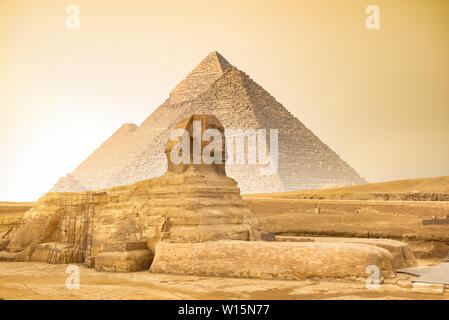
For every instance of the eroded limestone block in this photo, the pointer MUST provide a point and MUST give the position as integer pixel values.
(23, 256)
(8, 256)
(128, 261)
(40, 225)
(271, 260)
(268, 236)
(401, 251)
(56, 253)
(135, 245)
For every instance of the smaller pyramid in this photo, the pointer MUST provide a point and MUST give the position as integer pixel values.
(70, 184)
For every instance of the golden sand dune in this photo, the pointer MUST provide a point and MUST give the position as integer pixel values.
(408, 189)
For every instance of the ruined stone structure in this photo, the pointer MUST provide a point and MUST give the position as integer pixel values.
(191, 220)
(189, 203)
(215, 87)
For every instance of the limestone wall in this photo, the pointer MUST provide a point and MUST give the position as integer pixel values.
(400, 251)
(271, 260)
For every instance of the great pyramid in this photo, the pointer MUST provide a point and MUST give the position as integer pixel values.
(215, 87)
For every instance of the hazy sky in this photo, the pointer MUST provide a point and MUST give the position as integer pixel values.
(379, 98)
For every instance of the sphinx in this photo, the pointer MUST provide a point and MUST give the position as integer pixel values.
(192, 220)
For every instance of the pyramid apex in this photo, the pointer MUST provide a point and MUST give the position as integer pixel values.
(214, 53)
(200, 78)
(222, 62)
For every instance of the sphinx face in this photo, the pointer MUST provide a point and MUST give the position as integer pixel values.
(197, 141)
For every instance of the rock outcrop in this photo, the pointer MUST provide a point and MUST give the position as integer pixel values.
(272, 260)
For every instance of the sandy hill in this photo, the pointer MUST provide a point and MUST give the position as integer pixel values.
(408, 189)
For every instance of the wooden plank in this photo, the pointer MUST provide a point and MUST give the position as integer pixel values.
(7, 233)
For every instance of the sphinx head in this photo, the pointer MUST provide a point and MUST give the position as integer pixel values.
(197, 141)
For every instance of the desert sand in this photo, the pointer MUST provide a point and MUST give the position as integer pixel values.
(397, 190)
(35, 280)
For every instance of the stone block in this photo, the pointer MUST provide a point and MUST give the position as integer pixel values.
(268, 236)
(128, 261)
(136, 245)
(271, 260)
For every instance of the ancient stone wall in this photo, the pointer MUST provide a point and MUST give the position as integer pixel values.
(271, 260)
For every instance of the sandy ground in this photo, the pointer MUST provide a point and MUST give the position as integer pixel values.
(33, 280)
